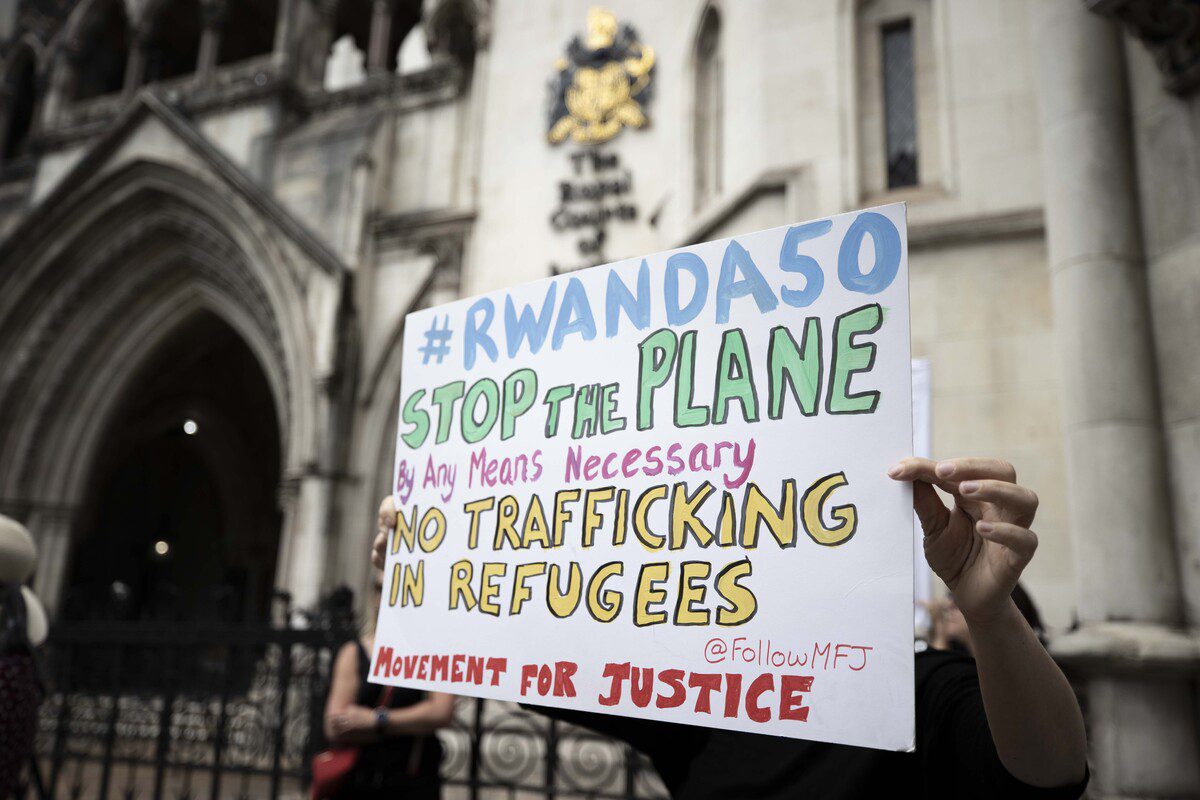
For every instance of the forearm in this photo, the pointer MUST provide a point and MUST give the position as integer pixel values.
(419, 718)
(1032, 712)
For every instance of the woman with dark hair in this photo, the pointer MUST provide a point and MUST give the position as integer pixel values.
(393, 727)
(949, 630)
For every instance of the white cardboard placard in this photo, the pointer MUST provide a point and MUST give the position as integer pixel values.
(657, 488)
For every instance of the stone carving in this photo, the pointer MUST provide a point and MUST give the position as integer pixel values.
(1170, 29)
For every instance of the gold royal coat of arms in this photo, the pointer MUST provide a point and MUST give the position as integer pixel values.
(602, 84)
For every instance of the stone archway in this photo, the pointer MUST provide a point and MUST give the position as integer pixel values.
(180, 518)
(105, 279)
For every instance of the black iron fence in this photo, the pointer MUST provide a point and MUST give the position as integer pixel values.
(188, 711)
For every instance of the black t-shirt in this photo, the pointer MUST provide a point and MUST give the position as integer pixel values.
(954, 756)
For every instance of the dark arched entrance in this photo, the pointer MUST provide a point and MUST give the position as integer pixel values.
(181, 518)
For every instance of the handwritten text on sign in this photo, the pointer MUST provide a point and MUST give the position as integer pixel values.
(657, 488)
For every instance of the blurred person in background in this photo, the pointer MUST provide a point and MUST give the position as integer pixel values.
(22, 629)
(394, 727)
(949, 630)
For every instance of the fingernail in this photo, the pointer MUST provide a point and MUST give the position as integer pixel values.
(970, 487)
(894, 470)
(984, 527)
(944, 469)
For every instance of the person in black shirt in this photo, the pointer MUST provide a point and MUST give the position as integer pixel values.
(399, 754)
(1005, 724)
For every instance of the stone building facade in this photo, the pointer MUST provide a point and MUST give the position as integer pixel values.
(216, 214)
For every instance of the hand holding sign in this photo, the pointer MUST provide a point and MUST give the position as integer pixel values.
(980, 546)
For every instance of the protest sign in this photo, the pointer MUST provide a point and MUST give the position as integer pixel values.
(657, 488)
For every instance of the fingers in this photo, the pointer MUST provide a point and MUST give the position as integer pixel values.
(921, 469)
(984, 480)
(386, 524)
(379, 550)
(914, 469)
(966, 469)
(1014, 502)
(1021, 542)
(387, 513)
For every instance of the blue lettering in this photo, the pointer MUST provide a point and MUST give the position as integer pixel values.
(618, 298)
(887, 254)
(792, 261)
(574, 315)
(738, 260)
(476, 334)
(695, 265)
(527, 326)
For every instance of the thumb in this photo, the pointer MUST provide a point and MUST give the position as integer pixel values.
(929, 507)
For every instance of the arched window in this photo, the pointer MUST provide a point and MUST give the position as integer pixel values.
(406, 15)
(173, 44)
(249, 30)
(897, 96)
(414, 52)
(376, 28)
(708, 110)
(21, 83)
(105, 51)
(345, 63)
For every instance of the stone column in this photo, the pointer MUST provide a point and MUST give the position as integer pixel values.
(381, 34)
(135, 66)
(213, 14)
(51, 531)
(1143, 733)
(283, 33)
(303, 550)
(6, 97)
(63, 77)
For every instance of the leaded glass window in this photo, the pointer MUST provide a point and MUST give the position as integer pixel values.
(899, 105)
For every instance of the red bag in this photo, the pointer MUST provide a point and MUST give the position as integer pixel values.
(333, 767)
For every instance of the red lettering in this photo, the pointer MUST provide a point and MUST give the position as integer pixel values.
(384, 662)
(563, 685)
(618, 673)
(475, 669)
(707, 683)
(674, 679)
(791, 704)
(497, 666)
(762, 684)
(528, 673)
(641, 686)
(818, 651)
(733, 693)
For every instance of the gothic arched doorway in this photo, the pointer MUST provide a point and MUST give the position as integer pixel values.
(181, 517)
